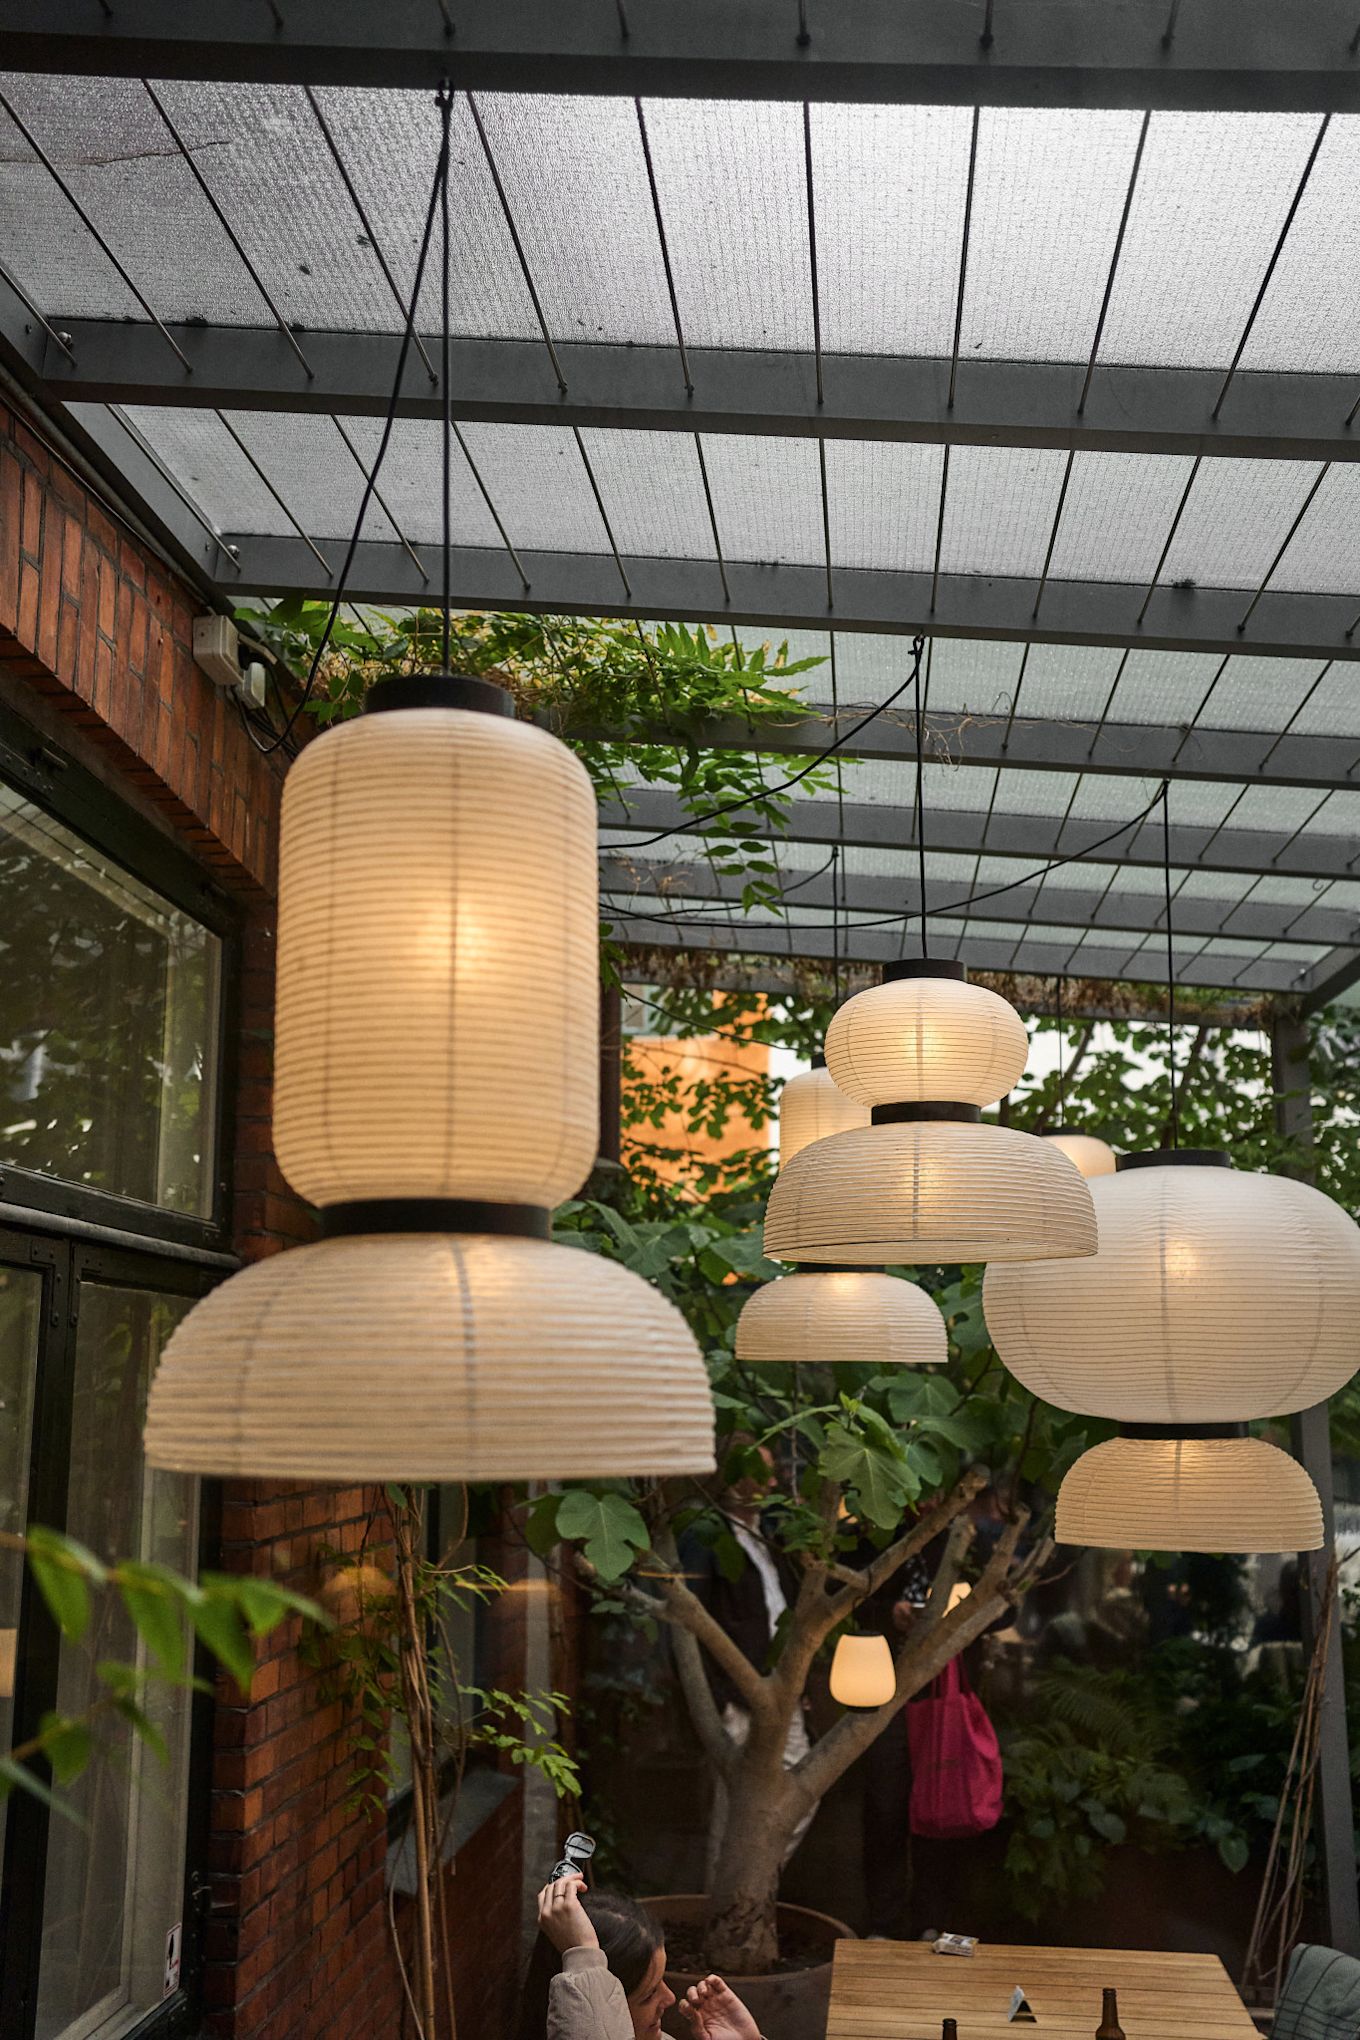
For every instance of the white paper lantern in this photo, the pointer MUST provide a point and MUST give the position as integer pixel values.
(811, 1106)
(436, 1092)
(1215, 1296)
(1189, 1494)
(862, 1673)
(1089, 1156)
(929, 1190)
(842, 1315)
(928, 1037)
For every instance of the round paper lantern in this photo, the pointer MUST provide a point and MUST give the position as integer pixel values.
(430, 1357)
(436, 1093)
(1091, 1157)
(437, 1024)
(926, 1034)
(811, 1106)
(862, 1673)
(929, 1190)
(844, 1314)
(1214, 1296)
(1189, 1494)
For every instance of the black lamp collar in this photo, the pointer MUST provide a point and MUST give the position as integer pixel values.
(435, 1215)
(925, 967)
(1171, 1158)
(1174, 1433)
(438, 690)
(919, 1109)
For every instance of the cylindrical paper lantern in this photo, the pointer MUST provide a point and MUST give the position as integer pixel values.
(862, 1672)
(811, 1106)
(1215, 1296)
(1189, 1494)
(437, 1026)
(432, 1357)
(842, 1315)
(929, 1190)
(928, 1036)
(1090, 1156)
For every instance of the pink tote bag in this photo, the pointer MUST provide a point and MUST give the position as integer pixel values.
(955, 1760)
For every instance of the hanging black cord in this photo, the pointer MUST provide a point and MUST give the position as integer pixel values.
(1062, 1055)
(1174, 1120)
(918, 647)
(445, 97)
(446, 114)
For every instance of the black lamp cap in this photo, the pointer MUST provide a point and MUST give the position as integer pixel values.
(818, 1059)
(1183, 1433)
(925, 967)
(1170, 1158)
(438, 690)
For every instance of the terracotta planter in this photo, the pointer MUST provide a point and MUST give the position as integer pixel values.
(791, 2005)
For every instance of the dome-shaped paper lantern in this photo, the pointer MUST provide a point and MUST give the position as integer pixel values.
(432, 1357)
(437, 1026)
(1215, 1296)
(1091, 1157)
(926, 1036)
(811, 1106)
(862, 1673)
(1189, 1494)
(929, 1190)
(853, 1314)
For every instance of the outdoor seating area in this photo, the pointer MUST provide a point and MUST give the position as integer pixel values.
(679, 1019)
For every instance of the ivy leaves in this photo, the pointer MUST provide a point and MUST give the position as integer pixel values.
(609, 1529)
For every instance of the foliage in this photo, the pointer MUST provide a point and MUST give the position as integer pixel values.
(227, 1612)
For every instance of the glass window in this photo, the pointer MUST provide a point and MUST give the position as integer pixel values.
(108, 1021)
(114, 1887)
(20, 1327)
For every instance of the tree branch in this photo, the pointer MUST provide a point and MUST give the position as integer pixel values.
(684, 1608)
(719, 1747)
(922, 1533)
(942, 1586)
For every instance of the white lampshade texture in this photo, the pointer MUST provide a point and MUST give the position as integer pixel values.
(1089, 1156)
(438, 976)
(432, 1357)
(1189, 1494)
(926, 1040)
(811, 1106)
(862, 1316)
(926, 1191)
(862, 1672)
(1215, 1296)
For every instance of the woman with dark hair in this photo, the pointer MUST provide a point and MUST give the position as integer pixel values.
(612, 1980)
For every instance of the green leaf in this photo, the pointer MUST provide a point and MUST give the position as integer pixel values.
(144, 1726)
(61, 1568)
(67, 1745)
(157, 1609)
(878, 1477)
(540, 1524)
(1233, 1852)
(218, 1624)
(609, 1527)
(18, 1777)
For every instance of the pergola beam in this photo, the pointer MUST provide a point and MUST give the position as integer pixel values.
(645, 883)
(868, 397)
(1036, 838)
(1223, 54)
(1184, 619)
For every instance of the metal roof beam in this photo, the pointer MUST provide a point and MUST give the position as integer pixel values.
(1036, 838)
(649, 881)
(871, 397)
(1185, 619)
(1222, 55)
(1332, 978)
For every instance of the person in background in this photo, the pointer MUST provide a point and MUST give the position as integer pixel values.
(886, 1831)
(612, 1981)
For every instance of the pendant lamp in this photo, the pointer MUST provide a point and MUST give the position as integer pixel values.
(435, 1095)
(1087, 1154)
(842, 1315)
(862, 1672)
(926, 1180)
(1215, 1296)
(1189, 1494)
(811, 1106)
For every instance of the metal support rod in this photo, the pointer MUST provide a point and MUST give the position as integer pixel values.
(665, 246)
(1304, 508)
(525, 270)
(622, 13)
(1310, 1438)
(1204, 703)
(1015, 699)
(1169, 32)
(826, 524)
(1276, 253)
(228, 229)
(1114, 261)
(1312, 690)
(812, 249)
(1109, 701)
(315, 550)
(804, 32)
(492, 511)
(64, 188)
(987, 38)
(195, 510)
(62, 340)
(963, 256)
(712, 517)
(1053, 537)
(446, 17)
(381, 502)
(1294, 834)
(599, 505)
(611, 1073)
(370, 237)
(1171, 535)
(939, 532)
(1353, 46)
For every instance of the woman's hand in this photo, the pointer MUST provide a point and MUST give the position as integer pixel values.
(563, 1918)
(715, 2013)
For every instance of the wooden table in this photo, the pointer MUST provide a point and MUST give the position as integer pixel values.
(901, 1990)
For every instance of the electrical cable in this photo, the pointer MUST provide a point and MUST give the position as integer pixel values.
(1174, 1117)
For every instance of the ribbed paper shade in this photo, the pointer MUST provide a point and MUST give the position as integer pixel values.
(1215, 1296)
(862, 1672)
(929, 1191)
(811, 1106)
(860, 1316)
(1091, 1156)
(432, 1357)
(926, 1038)
(1189, 1494)
(438, 973)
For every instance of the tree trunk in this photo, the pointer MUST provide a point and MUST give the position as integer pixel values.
(762, 1813)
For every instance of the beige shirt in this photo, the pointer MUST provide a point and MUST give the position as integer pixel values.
(586, 2002)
